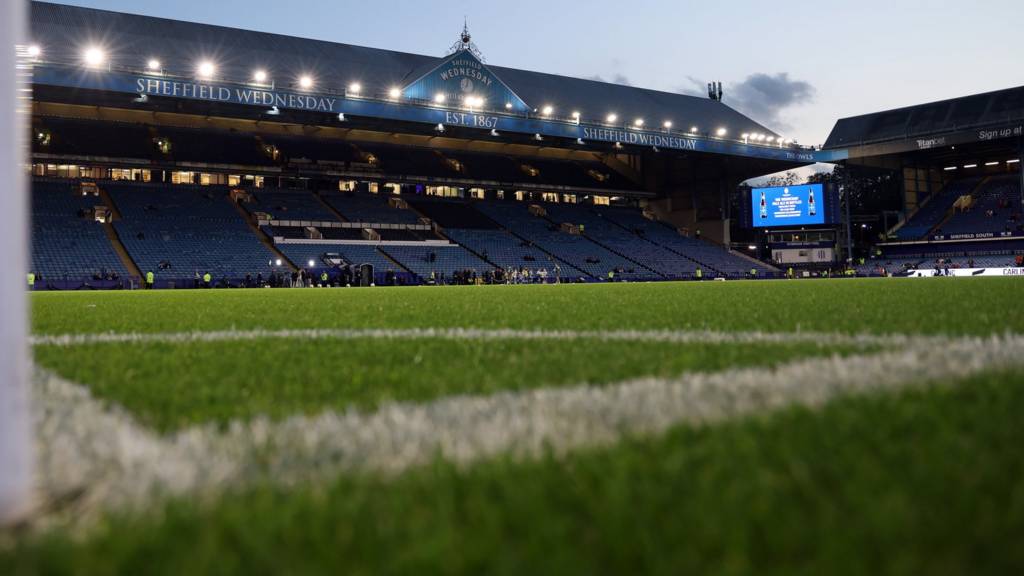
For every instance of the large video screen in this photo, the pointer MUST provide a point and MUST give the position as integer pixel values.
(788, 205)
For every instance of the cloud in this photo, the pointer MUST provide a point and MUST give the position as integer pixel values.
(617, 78)
(694, 87)
(763, 97)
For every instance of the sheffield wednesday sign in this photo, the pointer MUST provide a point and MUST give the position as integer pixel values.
(237, 95)
(461, 76)
(450, 114)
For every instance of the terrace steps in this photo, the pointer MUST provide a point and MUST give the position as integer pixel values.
(329, 208)
(952, 211)
(266, 241)
(121, 251)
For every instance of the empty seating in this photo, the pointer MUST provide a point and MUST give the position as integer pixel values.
(932, 212)
(176, 231)
(67, 244)
(996, 209)
(288, 205)
(371, 208)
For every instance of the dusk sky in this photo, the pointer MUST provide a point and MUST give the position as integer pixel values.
(794, 66)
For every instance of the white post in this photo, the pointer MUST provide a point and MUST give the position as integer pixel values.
(15, 424)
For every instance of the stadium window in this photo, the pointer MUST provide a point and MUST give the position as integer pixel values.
(601, 200)
(499, 194)
(478, 193)
(346, 185)
(372, 187)
(234, 180)
(569, 198)
(520, 195)
(181, 177)
(549, 197)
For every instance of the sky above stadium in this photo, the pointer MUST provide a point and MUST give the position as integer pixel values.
(794, 66)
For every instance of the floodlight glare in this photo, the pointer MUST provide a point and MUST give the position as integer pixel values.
(355, 88)
(34, 51)
(93, 56)
(612, 118)
(548, 110)
(206, 69)
(305, 82)
(153, 65)
(439, 98)
(395, 93)
(260, 76)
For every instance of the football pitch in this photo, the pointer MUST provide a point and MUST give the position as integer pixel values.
(791, 427)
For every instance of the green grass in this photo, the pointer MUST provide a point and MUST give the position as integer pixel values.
(173, 385)
(940, 305)
(924, 482)
(919, 482)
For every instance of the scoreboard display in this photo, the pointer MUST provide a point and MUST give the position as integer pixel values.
(782, 206)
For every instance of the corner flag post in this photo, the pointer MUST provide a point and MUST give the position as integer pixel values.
(15, 419)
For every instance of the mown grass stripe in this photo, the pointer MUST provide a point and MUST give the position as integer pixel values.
(108, 460)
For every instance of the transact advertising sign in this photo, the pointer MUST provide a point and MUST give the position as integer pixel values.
(788, 206)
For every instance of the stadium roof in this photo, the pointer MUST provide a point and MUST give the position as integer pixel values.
(129, 40)
(936, 118)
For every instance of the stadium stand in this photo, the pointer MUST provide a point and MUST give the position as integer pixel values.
(996, 208)
(67, 243)
(575, 250)
(288, 205)
(935, 209)
(369, 208)
(177, 231)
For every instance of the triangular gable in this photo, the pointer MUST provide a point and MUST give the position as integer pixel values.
(461, 75)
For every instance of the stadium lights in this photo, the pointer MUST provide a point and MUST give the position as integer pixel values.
(206, 69)
(693, 129)
(771, 138)
(277, 262)
(996, 163)
(580, 141)
(305, 81)
(638, 123)
(1013, 161)
(439, 98)
(538, 137)
(745, 137)
(311, 264)
(355, 88)
(274, 111)
(612, 118)
(93, 56)
(547, 110)
(394, 93)
(153, 65)
(949, 168)
(439, 127)
(970, 165)
(260, 76)
(508, 105)
(721, 132)
(667, 124)
(341, 117)
(494, 133)
(34, 51)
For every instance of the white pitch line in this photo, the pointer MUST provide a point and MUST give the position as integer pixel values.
(111, 462)
(663, 336)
